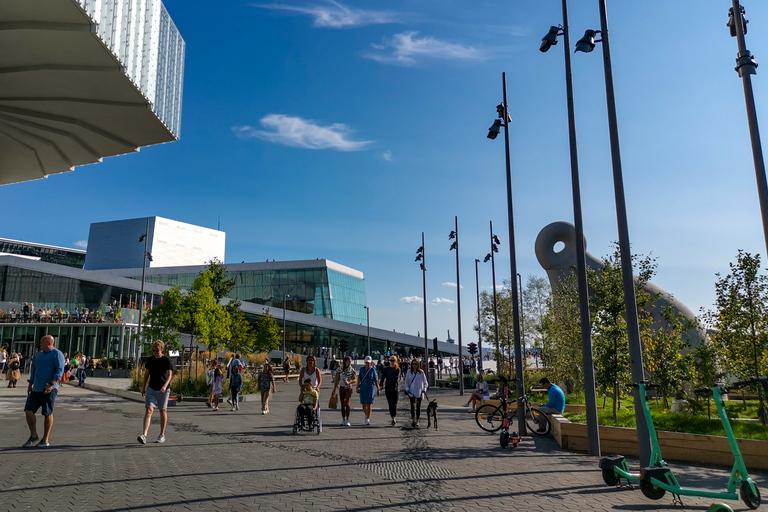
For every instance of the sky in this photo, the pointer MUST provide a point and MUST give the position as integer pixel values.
(343, 130)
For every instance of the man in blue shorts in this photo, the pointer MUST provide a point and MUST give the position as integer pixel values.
(47, 369)
(156, 389)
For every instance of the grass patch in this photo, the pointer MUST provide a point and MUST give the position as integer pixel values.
(692, 423)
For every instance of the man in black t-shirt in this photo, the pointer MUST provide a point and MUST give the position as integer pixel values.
(156, 389)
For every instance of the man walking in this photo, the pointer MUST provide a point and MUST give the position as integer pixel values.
(47, 369)
(156, 389)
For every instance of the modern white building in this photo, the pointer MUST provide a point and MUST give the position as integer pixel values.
(85, 79)
(115, 244)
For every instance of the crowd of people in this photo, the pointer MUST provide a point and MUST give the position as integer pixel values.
(28, 314)
(51, 368)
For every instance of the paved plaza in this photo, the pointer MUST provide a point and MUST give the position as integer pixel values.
(248, 461)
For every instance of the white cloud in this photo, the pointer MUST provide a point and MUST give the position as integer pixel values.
(405, 48)
(452, 285)
(336, 15)
(301, 133)
(387, 155)
(83, 244)
(441, 300)
(412, 300)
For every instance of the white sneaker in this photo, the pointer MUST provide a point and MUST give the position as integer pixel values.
(229, 400)
(160, 439)
(343, 423)
(232, 409)
(466, 405)
(367, 422)
(142, 439)
(216, 409)
(349, 423)
(264, 412)
(237, 407)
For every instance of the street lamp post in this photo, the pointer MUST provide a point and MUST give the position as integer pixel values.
(746, 67)
(285, 297)
(368, 320)
(421, 256)
(581, 262)
(147, 256)
(495, 242)
(587, 44)
(479, 331)
(455, 246)
(504, 117)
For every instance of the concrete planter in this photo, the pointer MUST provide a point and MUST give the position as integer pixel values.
(674, 445)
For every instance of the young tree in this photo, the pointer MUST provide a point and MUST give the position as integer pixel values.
(609, 329)
(267, 335)
(741, 321)
(203, 316)
(663, 350)
(536, 297)
(164, 321)
(561, 345)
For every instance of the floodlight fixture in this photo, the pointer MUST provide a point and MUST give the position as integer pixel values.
(149, 256)
(494, 130)
(732, 22)
(487, 258)
(587, 43)
(142, 237)
(452, 235)
(550, 39)
(496, 241)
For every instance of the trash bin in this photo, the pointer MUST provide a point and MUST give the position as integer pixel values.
(469, 381)
(432, 377)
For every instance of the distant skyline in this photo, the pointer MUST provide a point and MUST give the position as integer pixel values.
(341, 130)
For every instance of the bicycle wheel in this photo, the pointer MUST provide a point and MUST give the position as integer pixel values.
(488, 417)
(537, 422)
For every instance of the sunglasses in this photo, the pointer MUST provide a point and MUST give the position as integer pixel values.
(155, 351)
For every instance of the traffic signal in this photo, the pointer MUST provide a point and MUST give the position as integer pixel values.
(472, 347)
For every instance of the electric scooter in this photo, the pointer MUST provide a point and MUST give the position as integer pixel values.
(615, 467)
(656, 481)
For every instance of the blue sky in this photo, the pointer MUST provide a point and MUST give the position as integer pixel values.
(343, 130)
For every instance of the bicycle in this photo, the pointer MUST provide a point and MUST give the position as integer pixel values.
(491, 418)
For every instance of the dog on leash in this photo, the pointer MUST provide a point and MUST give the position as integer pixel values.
(432, 413)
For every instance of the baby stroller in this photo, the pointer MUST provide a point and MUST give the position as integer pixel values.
(307, 419)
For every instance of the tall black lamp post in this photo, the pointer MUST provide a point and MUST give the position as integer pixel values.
(581, 263)
(746, 67)
(147, 257)
(587, 44)
(479, 326)
(421, 256)
(504, 119)
(454, 235)
(491, 256)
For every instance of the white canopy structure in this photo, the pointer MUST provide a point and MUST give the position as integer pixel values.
(85, 79)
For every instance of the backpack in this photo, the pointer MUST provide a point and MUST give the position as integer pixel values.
(15, 365)
(334, 364)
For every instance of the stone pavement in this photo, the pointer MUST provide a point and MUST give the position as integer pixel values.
(247, 461)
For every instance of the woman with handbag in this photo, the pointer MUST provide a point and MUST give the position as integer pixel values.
(415, 386)
(345, 377)
(390, 380)
(367, 385)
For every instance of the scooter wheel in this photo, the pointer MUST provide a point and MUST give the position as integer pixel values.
(748, 496)
(504, 440)
(651, 492)
(610, 477)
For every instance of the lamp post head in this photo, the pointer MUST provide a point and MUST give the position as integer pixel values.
(149, 256)
(494, 130)
(487, 258)
(454, 245)
(550, 39)
(732, 21)
(452, 235)
(142, 237)
(587, 43)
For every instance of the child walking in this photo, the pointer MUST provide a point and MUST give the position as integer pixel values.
(235, 385)
(216, 384)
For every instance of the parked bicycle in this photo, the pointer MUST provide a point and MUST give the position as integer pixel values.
(491, 417)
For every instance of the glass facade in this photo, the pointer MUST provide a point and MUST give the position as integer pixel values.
(19, 285)
(94, 340)
(47, 253)
(314, 291)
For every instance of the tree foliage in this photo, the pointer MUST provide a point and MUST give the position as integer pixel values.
(663, 350)
(561, 346)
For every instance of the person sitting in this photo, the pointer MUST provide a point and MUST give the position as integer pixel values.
(480, 392)
(556, 403)
(308, 401)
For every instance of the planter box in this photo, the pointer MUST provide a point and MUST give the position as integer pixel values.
(674, 445)
(101, 374)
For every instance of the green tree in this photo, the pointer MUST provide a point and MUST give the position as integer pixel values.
(203, 317)
(536, 297)
(609, 328)
(220, 281)
(267, 335)
(561, 344)
(741, 320)
(164, 321)
(663, 350)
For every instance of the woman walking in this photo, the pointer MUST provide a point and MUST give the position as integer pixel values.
(390, 380)
(311, 372)
(415, 386)
(367, 385)
(266, 384)
(345, 377)
(14, 370)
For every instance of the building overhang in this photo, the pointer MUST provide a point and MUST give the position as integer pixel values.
(68, 95)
